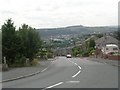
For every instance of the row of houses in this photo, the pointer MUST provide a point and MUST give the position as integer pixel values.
(106, 46)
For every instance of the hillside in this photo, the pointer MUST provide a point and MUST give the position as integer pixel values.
(74, 30)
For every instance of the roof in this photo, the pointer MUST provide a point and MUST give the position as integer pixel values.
(106, 40)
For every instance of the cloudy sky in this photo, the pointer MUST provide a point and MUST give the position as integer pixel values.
(59, 13)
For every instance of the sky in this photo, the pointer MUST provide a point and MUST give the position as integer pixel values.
(59, 13)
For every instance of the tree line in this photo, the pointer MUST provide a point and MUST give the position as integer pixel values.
(17, 45)
(88, 48)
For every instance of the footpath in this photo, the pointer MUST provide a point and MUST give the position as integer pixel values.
(18, 73)
(106, 61)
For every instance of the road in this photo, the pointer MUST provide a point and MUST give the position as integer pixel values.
(70, 73)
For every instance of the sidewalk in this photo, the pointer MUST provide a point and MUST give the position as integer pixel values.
(17, 73)
(106, 61)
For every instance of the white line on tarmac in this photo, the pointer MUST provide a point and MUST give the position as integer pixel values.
(54, 85)
(79, 67)
(76, 64)
(44, 70)
(76, 74)
(72, 81)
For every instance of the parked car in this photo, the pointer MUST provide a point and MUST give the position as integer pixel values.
(69, 56)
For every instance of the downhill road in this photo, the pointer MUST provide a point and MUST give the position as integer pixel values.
(71, 73)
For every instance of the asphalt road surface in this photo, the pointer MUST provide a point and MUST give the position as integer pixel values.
(71, 73)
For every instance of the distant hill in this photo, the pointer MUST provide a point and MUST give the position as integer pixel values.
(75, 30)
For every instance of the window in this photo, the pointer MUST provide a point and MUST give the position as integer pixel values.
(106, 48)
(115, 49)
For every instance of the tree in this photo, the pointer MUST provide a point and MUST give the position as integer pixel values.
(19, 45)
(8, 41)
(31, 41)
(92, 43)
(76, 51)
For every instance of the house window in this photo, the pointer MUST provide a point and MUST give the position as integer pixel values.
(106, 48)
(115, 49)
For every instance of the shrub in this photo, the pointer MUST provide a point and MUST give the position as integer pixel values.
(92, 52)
(50, 55)
(34, 62)
(85, 54)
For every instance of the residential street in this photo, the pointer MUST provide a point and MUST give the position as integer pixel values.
(71, 73)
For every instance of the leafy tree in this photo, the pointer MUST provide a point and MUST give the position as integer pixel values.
(76, 51)
(8, 41)
(92, 43)
(30, 41)
(19, 45)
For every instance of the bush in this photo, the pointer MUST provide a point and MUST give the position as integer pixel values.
(85, 54)
(92, 52)
(50, 55)
(20, 61)
(34, 62)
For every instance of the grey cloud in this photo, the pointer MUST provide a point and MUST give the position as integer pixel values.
(49, 8)
(38, 9)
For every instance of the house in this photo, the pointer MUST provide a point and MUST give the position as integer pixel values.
(103, 41)
(110, 48)
(105, 45)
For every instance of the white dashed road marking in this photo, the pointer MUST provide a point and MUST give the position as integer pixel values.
(54, 85)
(44, 70)
(72, 81)
(77, 66)
(76, 74)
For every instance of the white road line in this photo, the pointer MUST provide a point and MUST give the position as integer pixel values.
(54, 85)
(72, 81)
(76, 64)
(79, 67)
(76, 74)
(44, 70)
(73, 62)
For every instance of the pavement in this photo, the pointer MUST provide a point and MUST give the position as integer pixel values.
(105, 61)
(18, 73)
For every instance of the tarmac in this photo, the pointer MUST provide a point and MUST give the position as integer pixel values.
(18, 73)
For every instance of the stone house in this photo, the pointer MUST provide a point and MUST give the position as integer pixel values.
(102, 42)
